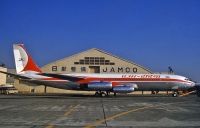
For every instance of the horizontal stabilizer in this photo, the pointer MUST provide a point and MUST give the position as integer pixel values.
(15, 75)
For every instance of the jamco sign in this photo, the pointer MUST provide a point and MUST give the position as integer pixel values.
(120, 69)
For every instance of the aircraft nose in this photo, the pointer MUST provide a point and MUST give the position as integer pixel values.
(193, 83)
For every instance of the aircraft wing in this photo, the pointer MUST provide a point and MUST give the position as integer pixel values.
(15, 75)
(63, 77)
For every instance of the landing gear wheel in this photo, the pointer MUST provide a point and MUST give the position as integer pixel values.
(175, 94)
(153, 92)
(97, 94)
(107, 93)
(103, 94)
(115, 94)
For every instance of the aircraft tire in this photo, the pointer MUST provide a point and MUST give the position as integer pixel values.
(97, 94)
(103, 94)
(175, 94)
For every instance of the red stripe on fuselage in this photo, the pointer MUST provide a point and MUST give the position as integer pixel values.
(115, 80)
(118, 81)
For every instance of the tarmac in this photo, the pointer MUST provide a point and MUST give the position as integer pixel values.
(86, 111)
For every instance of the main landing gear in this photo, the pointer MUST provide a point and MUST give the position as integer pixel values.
(100, 93)
(154, 92)
(103, 93)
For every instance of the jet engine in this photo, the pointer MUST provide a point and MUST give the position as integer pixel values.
(101, 86)
(124, 88)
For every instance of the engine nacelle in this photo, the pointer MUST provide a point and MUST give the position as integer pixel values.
(125, 88)
(102, 86)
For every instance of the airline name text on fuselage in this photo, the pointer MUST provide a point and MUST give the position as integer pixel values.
(141, 76)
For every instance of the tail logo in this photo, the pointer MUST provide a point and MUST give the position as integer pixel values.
(23, 60)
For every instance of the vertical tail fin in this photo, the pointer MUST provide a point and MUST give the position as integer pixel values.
(23, 61)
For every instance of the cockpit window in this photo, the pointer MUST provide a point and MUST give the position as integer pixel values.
(186, 79)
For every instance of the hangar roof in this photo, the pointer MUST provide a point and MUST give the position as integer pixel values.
(96, 49)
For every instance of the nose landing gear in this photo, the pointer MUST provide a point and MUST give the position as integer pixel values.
(175, 94)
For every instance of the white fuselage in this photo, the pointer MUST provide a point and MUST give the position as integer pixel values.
(143, 81)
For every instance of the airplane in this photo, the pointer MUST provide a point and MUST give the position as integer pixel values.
(103, 84)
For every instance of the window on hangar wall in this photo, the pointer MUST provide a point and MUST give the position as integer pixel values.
(94, 61)
(83, 69)
(73, 69)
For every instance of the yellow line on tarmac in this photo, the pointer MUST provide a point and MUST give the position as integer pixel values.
(91, 125)
(116, 116)
(69, 110)
(185, 94)
(49, 126)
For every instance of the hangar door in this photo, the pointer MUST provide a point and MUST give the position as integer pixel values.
(94, 69)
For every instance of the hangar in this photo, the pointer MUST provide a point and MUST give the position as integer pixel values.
(2, 76)
(90, 61)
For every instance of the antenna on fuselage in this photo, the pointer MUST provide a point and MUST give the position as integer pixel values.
(170, 70)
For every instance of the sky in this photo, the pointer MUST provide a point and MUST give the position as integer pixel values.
(153, 33)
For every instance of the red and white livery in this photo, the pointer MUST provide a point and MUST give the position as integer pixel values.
(28, 71)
